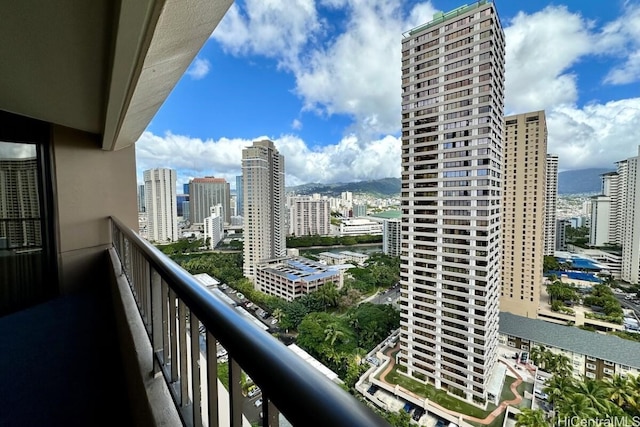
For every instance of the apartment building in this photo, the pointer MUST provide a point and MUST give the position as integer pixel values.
(630, 219)
(264, 205)
(19, 199)
(592, 355)
(360, 227)
(551, 204)
(605, 215)
(239, 196)
(523, 207)
(206, 192)
(452, 133)
(160, 203)
(309, 216)
(293, 277)
(615, 218)
(214, 226)
(391, 236)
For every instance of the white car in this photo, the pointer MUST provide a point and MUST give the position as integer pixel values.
(258, 403)
(254, 392)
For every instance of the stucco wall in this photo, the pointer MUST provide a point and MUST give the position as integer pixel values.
(89, 186)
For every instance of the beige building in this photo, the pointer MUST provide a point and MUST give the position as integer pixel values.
(205, 193)
(523, 208)
(264, 205)
(452, 131)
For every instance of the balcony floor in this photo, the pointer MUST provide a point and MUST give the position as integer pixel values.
(60, 365)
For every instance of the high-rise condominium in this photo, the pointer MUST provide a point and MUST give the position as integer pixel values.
(205, 193)
(20, 225)
(523, 208)
(615, 217)
(309, 217)
(551, 205)
(239, 196)
(452, 130)
(160, 204)
(264, 205)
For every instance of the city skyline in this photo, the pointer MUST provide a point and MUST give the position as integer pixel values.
(316, 83)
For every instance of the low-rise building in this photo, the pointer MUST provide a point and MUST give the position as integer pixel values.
(343, 257)
(293, 277)
(593, 355)
(359, 227)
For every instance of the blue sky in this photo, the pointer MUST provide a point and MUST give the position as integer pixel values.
(321, 78)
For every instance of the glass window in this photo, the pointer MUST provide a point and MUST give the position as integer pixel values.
(27, 267)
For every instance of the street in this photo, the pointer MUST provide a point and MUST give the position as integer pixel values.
(387, 296)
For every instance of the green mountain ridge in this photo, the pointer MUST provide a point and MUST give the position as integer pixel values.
(579, 181)
(385, 187)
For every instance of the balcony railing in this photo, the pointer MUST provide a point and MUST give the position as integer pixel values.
(175, 308)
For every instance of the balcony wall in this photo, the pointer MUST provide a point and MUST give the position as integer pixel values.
(89, 185)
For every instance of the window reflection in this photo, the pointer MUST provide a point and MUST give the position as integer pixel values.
(21, 243)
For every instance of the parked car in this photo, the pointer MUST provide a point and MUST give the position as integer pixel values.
(258, 403)
(254, 391)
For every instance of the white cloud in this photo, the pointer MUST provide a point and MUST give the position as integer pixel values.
(273, 28)
(10, 150)
(346, 74)
(344, 66)
(538, 56)
(597, 135)
(296, 124)
(190, 156)
(348, 160)
(199, 68)
(625, 33)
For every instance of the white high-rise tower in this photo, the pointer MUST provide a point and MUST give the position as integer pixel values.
(160, 204)
(551, 204)
(452, 130)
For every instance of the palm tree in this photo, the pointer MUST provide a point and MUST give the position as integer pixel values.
(620, 391)
(332, 333)
(531, 418)
(577, 407)
(536, 354)
(562, 365)
(278, 314)
(559, 387)
(595, 393)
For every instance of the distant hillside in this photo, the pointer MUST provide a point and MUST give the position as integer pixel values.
(385, 187)
(581, 181)
(569, 182)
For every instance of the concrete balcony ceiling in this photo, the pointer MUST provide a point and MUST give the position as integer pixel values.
(101, 66)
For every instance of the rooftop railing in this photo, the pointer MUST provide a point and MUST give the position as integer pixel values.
(185, 322)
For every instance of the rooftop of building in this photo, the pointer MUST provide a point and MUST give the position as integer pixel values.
(605, 347)
(209, 179)
(440, 17)
(298, 268)
(388, 214)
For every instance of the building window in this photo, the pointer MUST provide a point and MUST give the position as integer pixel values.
(27, 259)
(591, 366)
(590, 375)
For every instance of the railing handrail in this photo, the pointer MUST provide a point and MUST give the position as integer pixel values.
(288, 381)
